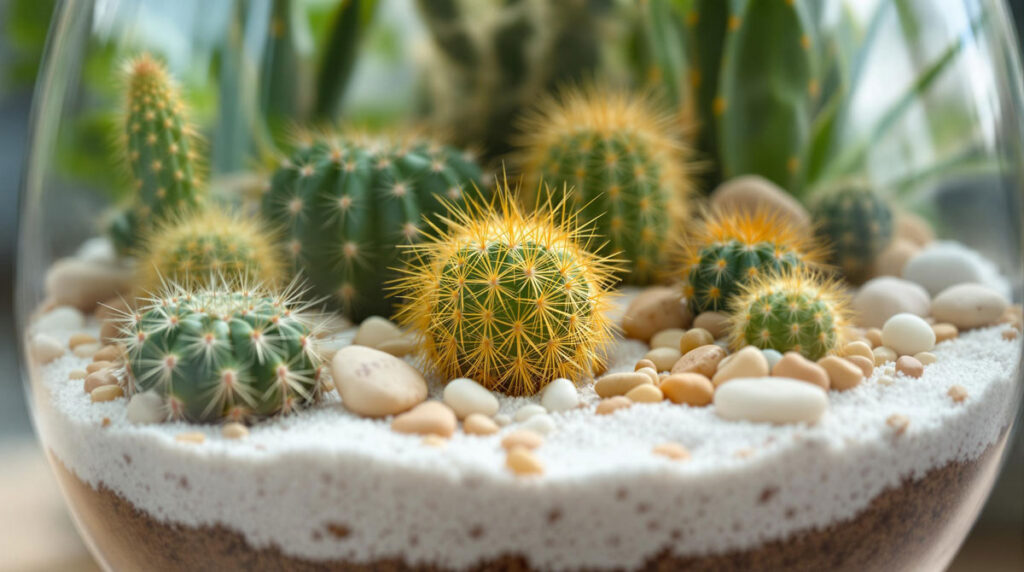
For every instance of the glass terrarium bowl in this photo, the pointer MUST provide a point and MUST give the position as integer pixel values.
(149, 114)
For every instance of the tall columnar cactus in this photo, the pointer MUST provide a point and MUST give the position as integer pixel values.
(343, 203)
(797, 310)
(731, 249)
(857, 222)
(160, 148)
(509, 299)
(223, 354)
(620, 162)
(209, 246)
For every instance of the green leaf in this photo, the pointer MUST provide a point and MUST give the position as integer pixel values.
(339, 56)
(665, 64)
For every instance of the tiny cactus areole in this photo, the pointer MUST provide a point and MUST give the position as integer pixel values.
(217, 353)
(857, 223)
(798, 310)
(621, 163)
(509, 299)
(343, 203)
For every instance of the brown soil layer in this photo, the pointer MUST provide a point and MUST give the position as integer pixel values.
(916, 526)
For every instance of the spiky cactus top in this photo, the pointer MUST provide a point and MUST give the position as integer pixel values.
(730, 249)
(857, 222)
(210, 246)
(797, 310)
(623, 162)
(509, 299)
(344, 202)
(160, 150)
(217, 353)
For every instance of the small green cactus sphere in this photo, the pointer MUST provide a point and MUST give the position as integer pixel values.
(857, 223)
(218, 354)
(343, 203)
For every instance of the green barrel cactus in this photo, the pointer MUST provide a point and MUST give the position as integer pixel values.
(343, 204)
(858, 225)
(218, 354)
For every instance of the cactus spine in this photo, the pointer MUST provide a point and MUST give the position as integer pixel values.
(857, 223)
(509, 299)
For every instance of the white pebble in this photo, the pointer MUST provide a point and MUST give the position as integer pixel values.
(773, 357)
(97, 249)
(946, 263)
(45, 348)
(372, 383)
(374, 331)
(770, 400)
(560, 395)
(466, 396)
(907, 334)
(502, 420)
(529, 410)
(85, 283)
(969, 306)
(146, 408)
(882, 298)
(541, 423)
(59, 319)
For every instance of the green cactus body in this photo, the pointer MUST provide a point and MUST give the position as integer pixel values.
(857, 223)
(722, 269)
(343, 205)
(223, 355)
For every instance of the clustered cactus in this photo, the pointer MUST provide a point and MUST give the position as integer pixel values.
(223, 352)
(858, 225)
(512, 300)
(343, 203)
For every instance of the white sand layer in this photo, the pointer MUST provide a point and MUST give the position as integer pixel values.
(604, 501)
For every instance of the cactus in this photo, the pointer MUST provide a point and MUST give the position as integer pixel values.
(343, 204)
(202, 247)
(509, 299)
(223, 353)
(857, 223)
(729, 250)
(624, 164)
(797, 310)
(160, 149)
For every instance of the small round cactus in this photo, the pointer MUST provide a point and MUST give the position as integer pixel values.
(508, 299)
(857, 222)
(204, 247)
(621, 163)
(343, 203)
(730, 249)
(217, 354)
(797, 310)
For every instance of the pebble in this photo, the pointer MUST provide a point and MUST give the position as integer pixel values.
(541, 423)
(106, 393)
(883, 355)
(958, 393)
(874, 337)
(111, 353)
(751, 194)
(613, 404)
(703, 360)
(945, 264)
(83, 284)
(59, 319)
(795, 366)
(866, 365)
(715, 323)
(669, 338)
(945, 331)
(772, 356)
(673, 451)
(886, 380)
(477, 424)
(372, 383)
(195, 437)
(642, 363)
(97, 249)
(427, 418)
(653, 310)
(527, 411)
(234, 430)
(688, 388)
(842, 375)
(98, 365)
(523, 462)
(770, 400)
(434, 441)
(86, 350)
(1010, 334)
(908, 334)
(858, 349)
(522, 438)
(748, 362)
(398, 347)
(912, 227)
(466, 396)
(898, 423)
(502, 420)
(560, 395)
(645, 394)
(910, 366)
(893, 258)
(663, 358)
(146, 408)
(78, 374)
(81, 338)
(694, 339)
(926, 358)
(99, 379)
(614, 384)
(45, 348)
(375, 330)
(651, 373)
(969, 306)
(882, 298)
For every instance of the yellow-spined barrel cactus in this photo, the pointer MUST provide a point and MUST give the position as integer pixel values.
(343, 203)
(160, 149)
(509, 299)
(857, 223)
(798, 310)
(223, 354)
(621, 162)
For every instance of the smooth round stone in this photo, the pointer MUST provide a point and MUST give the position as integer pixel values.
(502, 420)
(614, 384)
(97, 249)
(146, 408)
(795, 366)
(541, 423)
(522, 438)
(523, 462)
(748, 362)
(882, 298)
(99, 379)
(663, 358)
(234, 430)
(398, 347)
(646, 393)
(883, 355)
(529, 410)
(651, 373)
(477, 424)
(694, 339)
(772, 356)
(45, 348)
(944, 264)
(427, 418)
(969, 306)
(653, 310)
(752, 193)
(688, 388)
(910, 366)
(703, 360)
(770, 400)
(913, 228)
(59, 319)
(374, 331)
(669, 338)
(85, 283)
(373, 383)
(715, 323)
(842, 374)
(893, 259)
(560, 395)
(466, 396)
(613, 404)
(907, 334)
(866, 365)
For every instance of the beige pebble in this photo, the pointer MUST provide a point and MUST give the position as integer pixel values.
(874, 337)
(673, 451)
(842, 375)
(892, 260)
(858, 349)
(945, 331)
(434, 440)
(653, 310)
(373, 383)
(694, 339)
(663, 358)
(898, 423)
(651, 373)
(669, 338)
(99, 379)
(429, 417)
(795, 366)
(645, 394)
(44, 348)
(614, 384)
(398, 347)
(234, 430)
(522, 461)
(112, 352)
(958, 393)
(479, 424)
(193, 437)
(703, 360)
(81, 338)
(644, 363)
(522, 438)
(98, 365)
(106, 393)
(886, 380)
(912, 227)
(78, 374)
(1010, 334)
(688, 388)
(375, 330)
(909, 365)
(884, 355)
(866, 365)
(613, 404)
(715, 323)
(86, 350)
(748, 362)
(926, 358)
